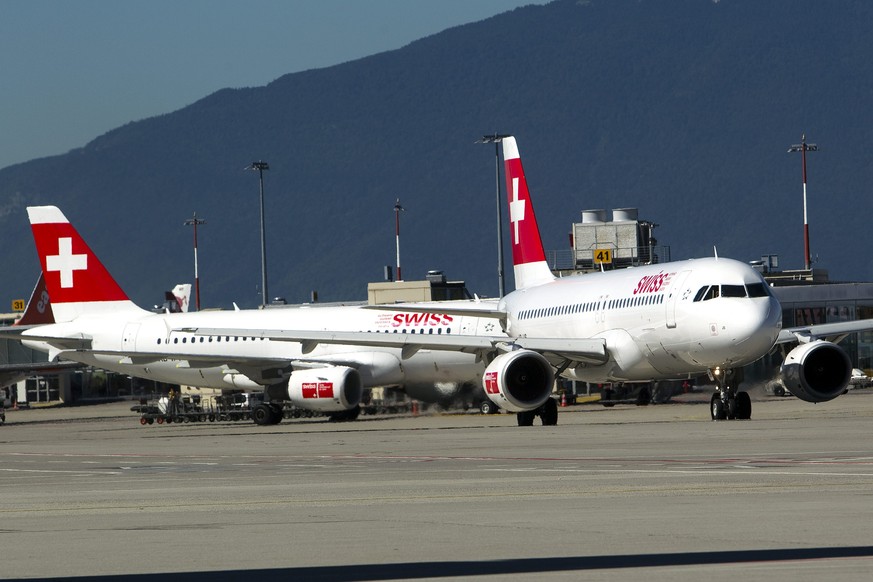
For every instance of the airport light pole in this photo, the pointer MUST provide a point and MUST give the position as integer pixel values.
(397, 210)
(804, 147)
(496, 138)
(260, 167)
(195, 222)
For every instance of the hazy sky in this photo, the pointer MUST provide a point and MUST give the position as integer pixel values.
(72, 70)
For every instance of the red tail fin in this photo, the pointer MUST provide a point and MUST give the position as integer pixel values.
(76, 280)
(528, 256)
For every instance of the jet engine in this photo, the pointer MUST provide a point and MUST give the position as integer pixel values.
(817, 371)
(326, 389)
(519, 381)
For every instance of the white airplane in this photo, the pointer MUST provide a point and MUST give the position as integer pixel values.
(97, 325)
(656, 322)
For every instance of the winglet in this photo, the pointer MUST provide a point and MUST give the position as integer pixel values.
(528, 256)
(76, 280)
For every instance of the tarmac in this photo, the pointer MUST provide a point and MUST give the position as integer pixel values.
(649, 493)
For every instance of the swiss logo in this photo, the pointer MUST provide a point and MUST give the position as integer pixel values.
(65, 262)
(491, 384)
(317, 389)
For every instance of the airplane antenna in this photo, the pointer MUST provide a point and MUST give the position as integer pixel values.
(804, 147)
(715, 251)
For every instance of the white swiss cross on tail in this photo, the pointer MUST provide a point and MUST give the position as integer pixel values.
(528, 256)
(76, 280)
(66, 262)
(516, 209)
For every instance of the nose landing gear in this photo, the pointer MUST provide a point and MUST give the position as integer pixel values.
(728, 403)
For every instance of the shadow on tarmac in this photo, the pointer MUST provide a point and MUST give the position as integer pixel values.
(467, 569)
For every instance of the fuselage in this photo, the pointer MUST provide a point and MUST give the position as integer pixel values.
(151, 346)
(659, 321)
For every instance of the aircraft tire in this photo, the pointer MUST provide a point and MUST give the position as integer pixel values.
(716, 408)
(744, 406)
(277, 414)
(549, 412)
(262, 415)
(487, 407)
(526, 418)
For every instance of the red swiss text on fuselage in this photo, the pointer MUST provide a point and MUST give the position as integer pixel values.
(420, 319)
(653, 283)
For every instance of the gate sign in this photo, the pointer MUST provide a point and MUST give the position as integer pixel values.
(602, 256)
(18, 305)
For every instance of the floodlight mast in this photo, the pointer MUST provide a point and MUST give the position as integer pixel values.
(195, 222)
(260, 167)
(496, 138)
(804, 147)
(397, 210)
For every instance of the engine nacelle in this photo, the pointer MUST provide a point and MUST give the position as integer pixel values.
(519, 381)
(817, 371)
(326, 389)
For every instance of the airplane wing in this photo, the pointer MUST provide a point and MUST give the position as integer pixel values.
(589, 351)
(832, 332)
(486, 308)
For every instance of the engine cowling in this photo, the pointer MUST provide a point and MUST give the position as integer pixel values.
(519, 381)
(326, 389)
(817, 371)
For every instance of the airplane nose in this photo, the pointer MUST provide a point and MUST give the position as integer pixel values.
(754, 330)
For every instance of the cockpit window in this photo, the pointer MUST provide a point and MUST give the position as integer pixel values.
(757, 289)
(707, 293)
(733, 291)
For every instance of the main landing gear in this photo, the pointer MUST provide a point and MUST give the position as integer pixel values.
(548, 412)
(728, 403)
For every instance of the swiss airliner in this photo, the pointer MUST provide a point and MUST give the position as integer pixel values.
(95, 323)
(707, 316)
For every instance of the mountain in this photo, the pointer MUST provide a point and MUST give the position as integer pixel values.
(684, 109)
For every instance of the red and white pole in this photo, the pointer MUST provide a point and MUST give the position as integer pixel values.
(397, 209)
(195, 222)
(804, 147)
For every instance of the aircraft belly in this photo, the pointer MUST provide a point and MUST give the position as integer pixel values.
(437, 370)
(168, 371)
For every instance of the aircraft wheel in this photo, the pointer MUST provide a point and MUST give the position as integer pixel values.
(549, 412)
(526, 418)
(487, 407)
(277, 414)
(744, 406)
(716, 407)
(262, 415)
